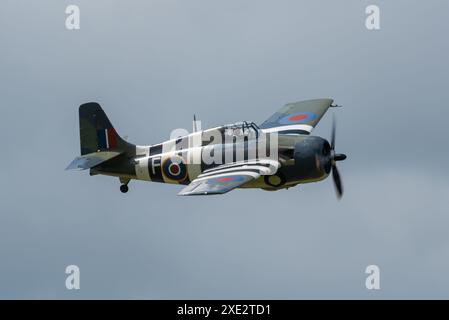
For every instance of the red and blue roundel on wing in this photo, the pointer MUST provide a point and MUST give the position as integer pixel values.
(226, 179)
(298, 118)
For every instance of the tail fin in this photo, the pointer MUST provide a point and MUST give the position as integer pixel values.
(97, 132)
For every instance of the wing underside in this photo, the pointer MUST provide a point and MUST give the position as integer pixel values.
(228, 177)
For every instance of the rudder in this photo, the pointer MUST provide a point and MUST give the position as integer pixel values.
(96, 131)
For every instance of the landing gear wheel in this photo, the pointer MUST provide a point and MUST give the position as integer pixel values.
(124, 188)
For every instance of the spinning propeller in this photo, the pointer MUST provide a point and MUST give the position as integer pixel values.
(334, 157)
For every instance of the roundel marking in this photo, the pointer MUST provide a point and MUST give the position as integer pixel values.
(226, 179)
(175, 169)
(298, 118)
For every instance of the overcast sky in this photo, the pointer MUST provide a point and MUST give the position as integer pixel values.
(152, 65)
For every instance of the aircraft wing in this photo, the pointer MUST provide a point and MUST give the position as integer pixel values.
(227, 177)
(91, 160)
(297, 117)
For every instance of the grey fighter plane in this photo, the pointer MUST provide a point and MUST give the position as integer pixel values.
(278, 154)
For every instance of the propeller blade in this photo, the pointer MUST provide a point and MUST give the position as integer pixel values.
(337, 182)
(334, 157)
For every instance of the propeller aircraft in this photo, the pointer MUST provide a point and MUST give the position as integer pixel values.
(278, 154)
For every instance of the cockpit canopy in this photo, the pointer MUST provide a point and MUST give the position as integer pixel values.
(243, 128)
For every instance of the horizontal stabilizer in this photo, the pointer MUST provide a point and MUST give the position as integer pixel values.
(91, 160)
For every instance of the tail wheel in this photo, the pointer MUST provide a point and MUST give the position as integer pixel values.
(124, 188)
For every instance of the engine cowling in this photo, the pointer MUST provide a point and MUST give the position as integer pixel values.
(312, 159)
